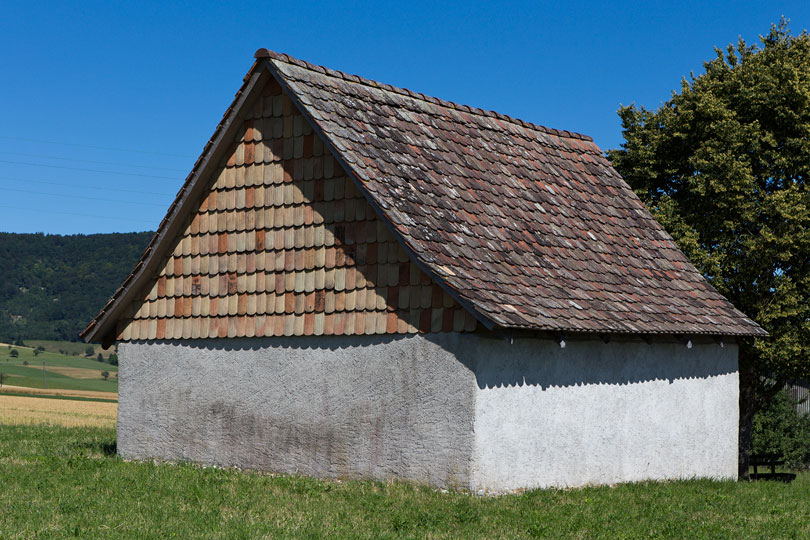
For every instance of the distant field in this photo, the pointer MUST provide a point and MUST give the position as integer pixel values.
(61, 371)
(69, 346)
(58, 393)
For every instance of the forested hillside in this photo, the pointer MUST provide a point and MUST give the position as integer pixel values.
(51, 286)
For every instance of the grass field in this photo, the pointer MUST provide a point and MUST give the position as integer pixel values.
(68, 346)
(68, 483)
(61, 372)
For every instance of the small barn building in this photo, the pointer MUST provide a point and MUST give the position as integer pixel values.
(357, 280)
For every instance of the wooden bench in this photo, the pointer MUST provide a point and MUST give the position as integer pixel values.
(766, 460)
(771, 461)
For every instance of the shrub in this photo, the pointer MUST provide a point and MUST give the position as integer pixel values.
(779, 429)
(14, 353)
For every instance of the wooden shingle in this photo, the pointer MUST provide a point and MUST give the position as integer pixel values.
(284, 245)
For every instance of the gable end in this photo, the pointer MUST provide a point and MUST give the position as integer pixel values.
(282, 243)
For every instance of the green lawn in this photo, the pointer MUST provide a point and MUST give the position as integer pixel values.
(67, 482)
(19, 374)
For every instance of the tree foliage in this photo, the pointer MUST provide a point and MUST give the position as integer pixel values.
(51, 286)
(723, 165)
(779, 429)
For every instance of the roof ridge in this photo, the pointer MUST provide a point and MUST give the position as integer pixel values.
(287, 59)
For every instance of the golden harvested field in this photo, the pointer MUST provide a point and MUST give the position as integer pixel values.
(76, 372)
(62, 412)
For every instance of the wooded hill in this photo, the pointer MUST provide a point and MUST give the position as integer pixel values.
(52, 286)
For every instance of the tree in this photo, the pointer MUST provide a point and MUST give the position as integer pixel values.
(723, 165)
(100, 357)
(36, 352)
(14, 353)
(105, 375)
(2, 378)
(89, 351)
(113, 359)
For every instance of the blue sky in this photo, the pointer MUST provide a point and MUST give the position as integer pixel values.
(105, 106)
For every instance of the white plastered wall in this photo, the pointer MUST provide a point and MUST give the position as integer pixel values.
(597, 413)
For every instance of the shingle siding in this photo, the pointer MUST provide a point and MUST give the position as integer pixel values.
(283, 243)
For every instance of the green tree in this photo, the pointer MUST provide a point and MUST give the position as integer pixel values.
(113, 359)
(2, 378)
(723, 165)
(105, 375)
(89, 350)
(14, 353)
(100, 357)
(779, 429)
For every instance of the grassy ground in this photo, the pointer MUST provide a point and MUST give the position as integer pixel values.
(68, 482)
(65, 372)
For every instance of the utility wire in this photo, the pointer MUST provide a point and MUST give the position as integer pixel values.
(90, 170)
(82, 197)
(92, 161)
(102, 188)
(96, 147)
(74, 214)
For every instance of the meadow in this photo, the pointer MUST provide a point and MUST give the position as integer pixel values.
(62, 478)
(62, 371)
(61, 482)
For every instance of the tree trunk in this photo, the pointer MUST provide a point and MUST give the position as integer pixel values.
(748, 407)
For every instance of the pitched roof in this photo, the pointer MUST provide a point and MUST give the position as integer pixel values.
(527, 227)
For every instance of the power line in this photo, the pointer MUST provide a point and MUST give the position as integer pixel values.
(82, 197)
(39, 210)
(92, 161)
(97, 147)
(102, 188)
(89, 170)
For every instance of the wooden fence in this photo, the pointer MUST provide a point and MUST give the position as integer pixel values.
(800, 393)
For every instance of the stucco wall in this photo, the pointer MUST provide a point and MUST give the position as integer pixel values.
(331, 406)
(595, 413)
(448, 409)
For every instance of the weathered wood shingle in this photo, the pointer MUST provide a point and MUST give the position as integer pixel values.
(281, 244)
(466, 213)
(531, 226)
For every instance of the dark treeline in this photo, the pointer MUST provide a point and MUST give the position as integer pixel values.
(51, 286)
